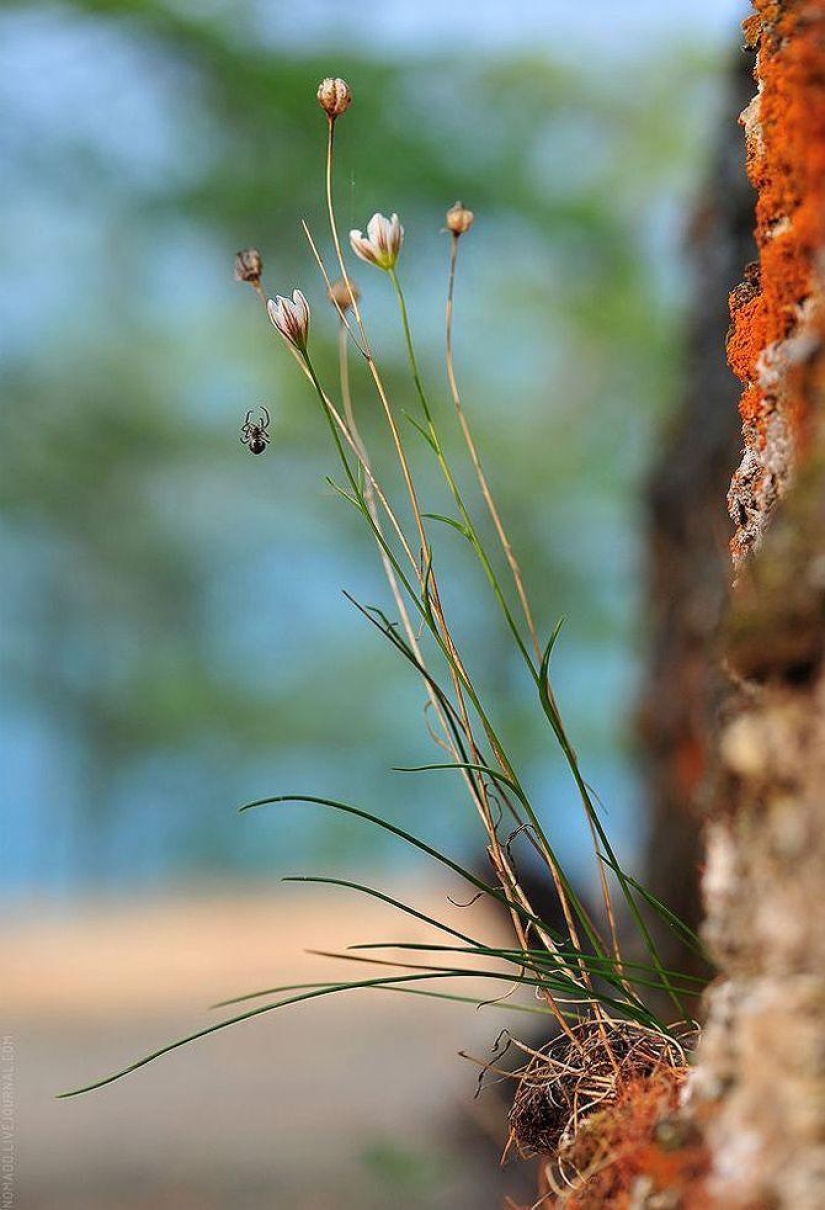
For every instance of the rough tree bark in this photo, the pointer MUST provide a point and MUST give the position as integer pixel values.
(759, 1087)
(734, 716)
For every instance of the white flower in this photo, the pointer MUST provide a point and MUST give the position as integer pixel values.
(291, 318)
(382, 242)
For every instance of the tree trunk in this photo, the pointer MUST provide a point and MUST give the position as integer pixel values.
(759, 1087)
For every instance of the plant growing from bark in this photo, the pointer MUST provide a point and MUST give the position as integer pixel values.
(593, 994)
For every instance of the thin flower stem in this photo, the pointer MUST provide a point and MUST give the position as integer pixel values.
(349, 413)
(369, 489)
(476, 460)
(594, 825)
(342, 315)
(334, 417)
(505, 873)
(562, 889)
(367, 351)
(450, 480)
(458, 672)
(507, 548)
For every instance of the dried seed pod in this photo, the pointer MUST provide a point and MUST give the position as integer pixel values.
(459, 219)
(339, 294)
(334, 97)
(249, 266)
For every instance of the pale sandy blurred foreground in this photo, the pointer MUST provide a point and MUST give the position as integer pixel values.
(355, 1101)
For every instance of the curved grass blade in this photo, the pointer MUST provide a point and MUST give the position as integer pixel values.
(325, 990)
(451, 521)
(504, 1004)
(396, 903)
(359, 813)
(313, 994)
(538, 961)
(518, 958)
(551, 712)
(410, 991)
(502, 779)
(596, 966)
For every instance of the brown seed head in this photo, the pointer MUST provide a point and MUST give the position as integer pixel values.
(339, 294)
(334, 97)
(249, 266)
(459, 219)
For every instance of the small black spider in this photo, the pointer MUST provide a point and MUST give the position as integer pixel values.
(255, 435)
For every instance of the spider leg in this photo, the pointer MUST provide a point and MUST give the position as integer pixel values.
(248, 418)
(265, 412)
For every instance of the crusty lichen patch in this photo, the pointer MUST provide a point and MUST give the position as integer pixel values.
(771, 316)
(639, 1153)
(759, 1083)
(775, 629)
(758, 1089)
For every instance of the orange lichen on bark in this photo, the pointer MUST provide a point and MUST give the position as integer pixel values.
(637, 1148)
(747, 339)
(786, 164)
(785, 138)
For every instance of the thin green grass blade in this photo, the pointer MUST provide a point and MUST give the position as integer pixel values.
(682, 930)
(551, 712)
(506, 1005)
(312, 994)
(384, 898)
(409, 991)
(425, 433)
(456, 525)
(596, 966)
(359, 813)
(515, 957)
(268, 991)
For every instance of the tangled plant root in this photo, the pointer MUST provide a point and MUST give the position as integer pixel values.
(573, 1077)
(602, 1108)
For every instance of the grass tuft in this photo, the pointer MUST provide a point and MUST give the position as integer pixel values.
(592, 996)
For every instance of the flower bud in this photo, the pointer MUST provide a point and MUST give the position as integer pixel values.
(459, 219)
(334, 97)
(340, 297)
(382, 243)
(249, 266)
(291, 318)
